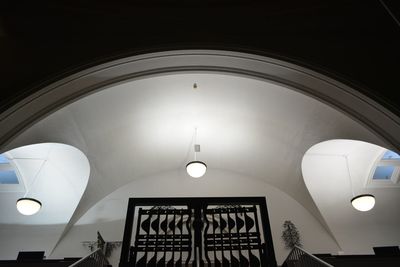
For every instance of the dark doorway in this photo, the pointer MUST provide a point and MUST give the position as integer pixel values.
(231, 231)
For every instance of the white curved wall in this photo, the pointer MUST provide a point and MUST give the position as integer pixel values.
(108, 214)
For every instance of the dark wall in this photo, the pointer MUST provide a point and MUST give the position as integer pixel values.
(355, 41)
(362, 261)
(44, 263)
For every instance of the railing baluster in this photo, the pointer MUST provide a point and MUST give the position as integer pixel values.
(94, 259)
(300, 258)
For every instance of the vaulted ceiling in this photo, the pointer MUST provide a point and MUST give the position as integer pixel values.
(144, 127)
(138, 132)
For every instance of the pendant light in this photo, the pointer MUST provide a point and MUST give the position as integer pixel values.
(27, 205)
(362, 202)
(196, 168)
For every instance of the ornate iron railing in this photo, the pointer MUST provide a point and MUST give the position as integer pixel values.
(298, 257)
(94, 259)
(197, 232)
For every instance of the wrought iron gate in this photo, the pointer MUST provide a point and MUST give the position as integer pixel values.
(226, 232)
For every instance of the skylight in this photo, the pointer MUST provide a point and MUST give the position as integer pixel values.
(386, 170)
(390, 155)
(383, 173)
(8, 177)
(7, 172)
(3, 159)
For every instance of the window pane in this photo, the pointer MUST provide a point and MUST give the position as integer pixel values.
(383, 173)
(8, 177)
(391, 155)
(3, 159)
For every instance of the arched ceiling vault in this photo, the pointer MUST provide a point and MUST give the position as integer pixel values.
(146, 126)
(255, 116)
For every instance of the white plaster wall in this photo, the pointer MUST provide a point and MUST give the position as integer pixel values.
(107, 215)
(15, 238)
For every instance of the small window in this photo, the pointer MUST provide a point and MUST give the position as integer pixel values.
(390, 155)
(7, 172)
(8, 177)
(386, 170)
(383, 172)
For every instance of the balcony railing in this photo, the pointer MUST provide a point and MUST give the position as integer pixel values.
(95, 259)
(298, 257)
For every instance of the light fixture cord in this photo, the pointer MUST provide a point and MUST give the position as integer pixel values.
(348, 172)
(390, 12)
(195, 141)
(35, 178)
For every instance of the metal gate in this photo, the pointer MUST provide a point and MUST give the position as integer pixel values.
(226, 232)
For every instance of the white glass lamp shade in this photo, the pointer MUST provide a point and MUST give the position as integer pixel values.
(363, 202)
(28, 206)
(196, 169)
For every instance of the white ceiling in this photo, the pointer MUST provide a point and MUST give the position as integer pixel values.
(144, 127)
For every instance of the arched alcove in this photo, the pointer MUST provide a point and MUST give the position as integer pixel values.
(56, 175)
(334, 172)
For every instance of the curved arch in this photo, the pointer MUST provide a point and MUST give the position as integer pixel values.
(374, 116)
